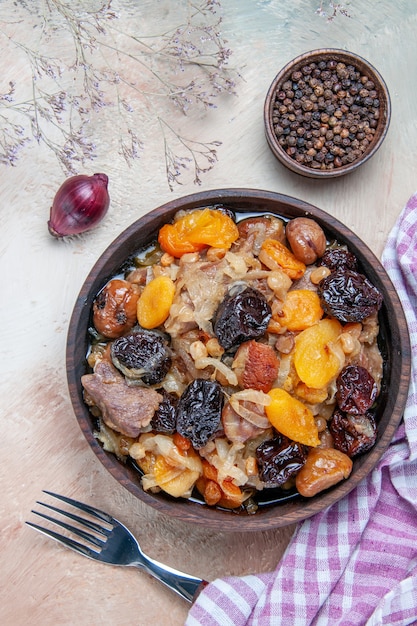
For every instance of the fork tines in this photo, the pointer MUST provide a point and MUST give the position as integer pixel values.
(96, 541)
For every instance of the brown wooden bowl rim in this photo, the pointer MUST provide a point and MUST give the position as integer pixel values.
(246, 201)
(314, 55)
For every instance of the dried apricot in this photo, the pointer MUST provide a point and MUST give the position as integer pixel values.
(155, 302)
(177, 481)
(324, 468)
(274, 253)
(301, 309)
(292, 418)
(165, 465)
(311, 395)
(318, 355)
(197, 230)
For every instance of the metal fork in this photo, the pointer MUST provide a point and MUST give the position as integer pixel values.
(111, 542)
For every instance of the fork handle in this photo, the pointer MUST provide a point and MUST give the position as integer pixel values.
(188, 587)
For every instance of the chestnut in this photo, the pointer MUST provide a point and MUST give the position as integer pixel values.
(306, 239)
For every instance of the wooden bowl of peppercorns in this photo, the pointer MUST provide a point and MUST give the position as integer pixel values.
(326, 113)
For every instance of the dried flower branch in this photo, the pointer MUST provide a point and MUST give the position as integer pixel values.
(186, 66)
(334, 8)
(181, 152)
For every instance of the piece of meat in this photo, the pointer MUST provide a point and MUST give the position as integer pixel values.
(236, 428)
(126, 409)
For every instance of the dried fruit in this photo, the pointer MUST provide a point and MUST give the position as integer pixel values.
(279, 459)
(176, 481)
(323, 468)
(353, 434)
(310, 395)
(197, 230)
(256, 366)
(222, 493)
(356, 390)
(114, 308)
(166, 465)
(338, 258)
(274, 253)
(300, 310)
(349, 296)
(155, 302)
(199, 411)
(165, 417)
(243, 315)
(318, 355)
(142, 356)
(292, 418)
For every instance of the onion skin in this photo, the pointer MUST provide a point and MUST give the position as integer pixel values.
(79, 204)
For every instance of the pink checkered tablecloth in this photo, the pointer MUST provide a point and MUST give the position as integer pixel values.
(356, 562)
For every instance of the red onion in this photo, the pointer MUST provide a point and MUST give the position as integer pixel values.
(79, 204)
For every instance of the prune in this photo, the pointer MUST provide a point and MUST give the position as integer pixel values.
(356, 390)
(353, 434)
(348, 296)
(242, 315)
(165, 417)
(142, 356)
(199, 411)
(279, 459)
(338, 258)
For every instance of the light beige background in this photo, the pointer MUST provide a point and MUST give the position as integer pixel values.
(41, 444)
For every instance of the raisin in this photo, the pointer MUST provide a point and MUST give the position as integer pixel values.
(338, 258)
(356, 390)
(199, 411)
(243, 315)
(165, 417)
(279, 459)
(142, 356)
(353, 434)
(348, 296)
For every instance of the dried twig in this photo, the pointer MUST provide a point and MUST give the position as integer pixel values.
(186, 67)
(334, 9)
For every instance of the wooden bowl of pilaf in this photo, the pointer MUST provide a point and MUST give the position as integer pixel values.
(269, 506)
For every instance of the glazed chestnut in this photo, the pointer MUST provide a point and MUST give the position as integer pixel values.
(306, 239)
(323, 468)
(114, 309)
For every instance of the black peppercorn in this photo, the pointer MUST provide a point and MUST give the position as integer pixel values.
(325, 114)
